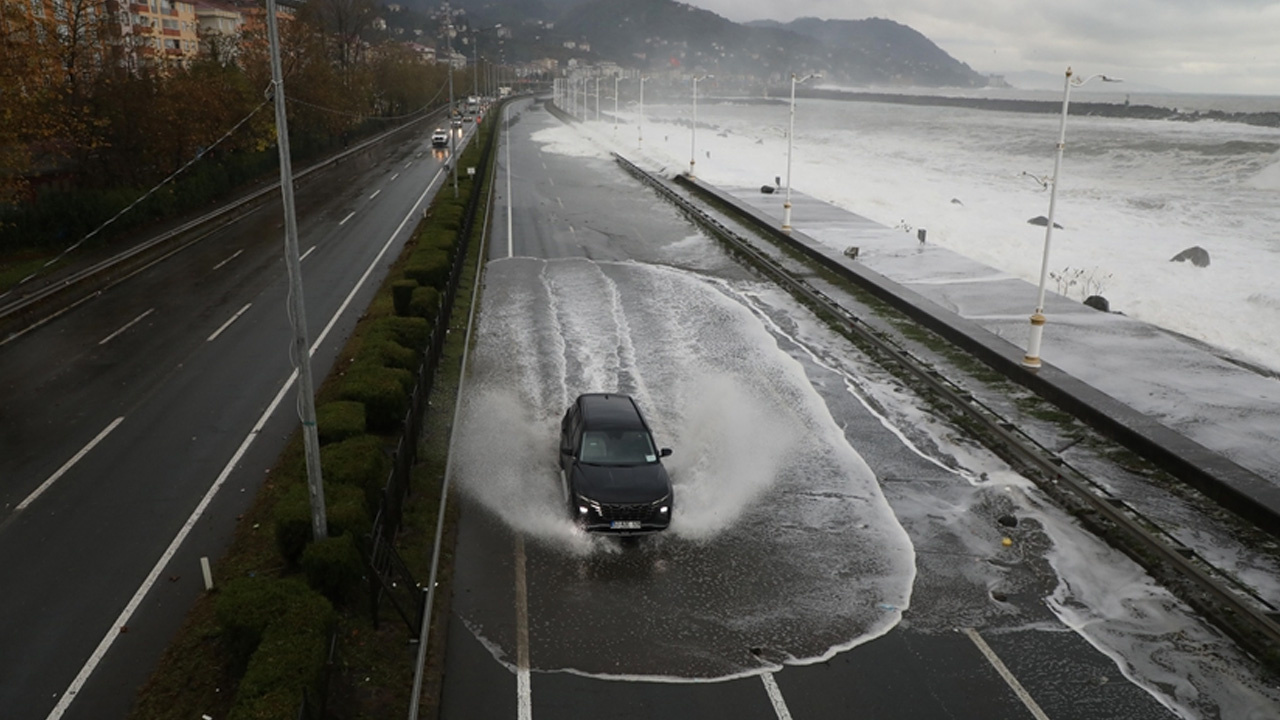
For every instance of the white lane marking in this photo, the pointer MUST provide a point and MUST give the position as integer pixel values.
(575, 232)
(344, 220)
(127, 325)
(524, 689)
(375, 194)
(40, 323)
(69, 695)
(552, 182)
(510, 204)
(393, 177)
(233, 257)
(227, 324)
(775, 696)
(1009, 679)
(406, 165)
(305, 254)
(560, 202)
(67, 465)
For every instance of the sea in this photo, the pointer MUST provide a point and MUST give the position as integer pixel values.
(1132, 193)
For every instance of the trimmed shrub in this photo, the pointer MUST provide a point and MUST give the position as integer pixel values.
(439, 238)
(246, 606)
(429, 267)
(411, 332)
(425, 303)
(336, 421)
(334, 567)
(401, 294)
(390, 353)
(449, 214)
(360, 462)
(289, 661)
(383, 390)
(345, 511)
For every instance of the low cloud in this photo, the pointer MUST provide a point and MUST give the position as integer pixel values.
(1185, 45)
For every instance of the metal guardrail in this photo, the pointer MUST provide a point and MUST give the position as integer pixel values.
(1252, 621)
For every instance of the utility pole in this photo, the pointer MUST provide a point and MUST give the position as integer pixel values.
(453, 137)
(297, 308)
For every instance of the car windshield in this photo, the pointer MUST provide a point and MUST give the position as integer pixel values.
(617, 447)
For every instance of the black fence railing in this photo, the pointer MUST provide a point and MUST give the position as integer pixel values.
(389, 577)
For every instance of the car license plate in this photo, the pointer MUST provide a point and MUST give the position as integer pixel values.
(625, 525)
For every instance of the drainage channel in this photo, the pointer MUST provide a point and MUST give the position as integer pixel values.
(1235, 608)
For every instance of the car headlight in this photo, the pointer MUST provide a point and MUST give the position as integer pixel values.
(664, 509)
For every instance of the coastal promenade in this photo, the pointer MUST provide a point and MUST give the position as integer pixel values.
(1211, 421)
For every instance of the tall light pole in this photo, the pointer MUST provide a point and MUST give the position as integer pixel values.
(453, 139)
(297, 308)
(693, 129)
(640, 125)
(597, 98)
(616, 78)
(791, 131)
(1032, 358)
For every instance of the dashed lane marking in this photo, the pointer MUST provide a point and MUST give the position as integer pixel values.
(1009, 679)
(308, 252)
(233, 257)
(68, 465)
(227, 324)
(127, 325)
(775, 696)
(524, 690)
(375, 194)
(344, 220)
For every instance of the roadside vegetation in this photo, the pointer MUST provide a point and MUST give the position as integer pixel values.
(86, 129)
(290, 625)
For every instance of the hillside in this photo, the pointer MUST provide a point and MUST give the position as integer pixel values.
(657, 34)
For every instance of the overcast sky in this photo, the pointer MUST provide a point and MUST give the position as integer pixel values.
(1226, 46)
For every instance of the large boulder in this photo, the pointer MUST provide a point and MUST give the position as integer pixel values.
(1042, 221)
(1196, 254)
(1097, 302)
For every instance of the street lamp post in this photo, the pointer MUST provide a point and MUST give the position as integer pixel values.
(693, 129)
(640, 125)
(1032, 358)
(616, 78)
(297, 306)
(597, 98)
(791, 131)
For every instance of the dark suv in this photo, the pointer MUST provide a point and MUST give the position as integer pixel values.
(612, 472)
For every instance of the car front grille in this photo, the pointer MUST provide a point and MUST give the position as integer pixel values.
(644, 512)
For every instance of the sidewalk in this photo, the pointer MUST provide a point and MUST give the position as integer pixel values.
(1213, 423)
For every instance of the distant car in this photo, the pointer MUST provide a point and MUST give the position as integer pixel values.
(439, 138)
(457, 122)
(467, 118)
(610, 468)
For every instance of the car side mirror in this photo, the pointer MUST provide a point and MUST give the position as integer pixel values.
(664, 452)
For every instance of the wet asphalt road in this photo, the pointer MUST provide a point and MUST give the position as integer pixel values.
(773, 603)
(169, 372)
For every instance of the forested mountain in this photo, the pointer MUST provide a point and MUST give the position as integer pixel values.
(652, 34)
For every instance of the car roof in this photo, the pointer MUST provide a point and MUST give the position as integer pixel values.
(610, 411)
